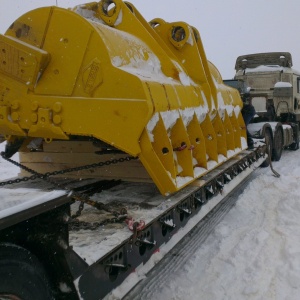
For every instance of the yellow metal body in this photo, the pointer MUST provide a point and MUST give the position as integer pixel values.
(100, 70)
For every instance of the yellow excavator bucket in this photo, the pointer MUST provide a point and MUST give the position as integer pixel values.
(100, 70)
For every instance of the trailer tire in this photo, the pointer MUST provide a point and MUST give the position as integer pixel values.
(22, 277)
(277, 144)
(295, 146)
(269, 143)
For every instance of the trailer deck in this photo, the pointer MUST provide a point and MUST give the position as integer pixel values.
(109, 255)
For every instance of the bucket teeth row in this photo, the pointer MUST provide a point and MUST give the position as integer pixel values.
(186, 151)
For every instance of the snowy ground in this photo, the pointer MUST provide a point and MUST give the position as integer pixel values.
(254, 253)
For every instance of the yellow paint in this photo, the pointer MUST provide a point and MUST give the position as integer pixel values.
(144, 88)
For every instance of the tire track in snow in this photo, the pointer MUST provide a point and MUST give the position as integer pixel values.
(252, 254)
(180, 255)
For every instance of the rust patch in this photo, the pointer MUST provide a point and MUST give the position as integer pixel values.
(22, 30)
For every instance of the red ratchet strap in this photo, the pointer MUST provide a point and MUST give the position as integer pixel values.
(134, 225)
(184, 146)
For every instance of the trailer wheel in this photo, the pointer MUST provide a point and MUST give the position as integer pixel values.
(22, 277)
(277, 144)
(295, 146)
(269, 143)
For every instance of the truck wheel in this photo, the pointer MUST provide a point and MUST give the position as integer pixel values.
(277, 144)
(269, 143)
(295, 146)
(21, 275)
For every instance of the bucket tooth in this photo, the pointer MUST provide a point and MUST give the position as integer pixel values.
(220, 135)
(236, 131)
(182, 145)
(210, 139)
(230, 142)
(199, 151)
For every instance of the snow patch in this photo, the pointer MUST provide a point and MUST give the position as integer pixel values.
(181, 181)
(119, 18)
(64, 287)
(221, 158)
(198, 171)
(151, 125)
(87, 14)
(211, 164)
(281, 84)
(244, 143)
(170, 118)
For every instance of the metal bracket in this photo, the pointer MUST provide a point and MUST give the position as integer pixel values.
(146, 242)
(168, 223)
(185, 210)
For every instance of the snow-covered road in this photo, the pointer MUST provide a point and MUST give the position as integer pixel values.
(254, 253)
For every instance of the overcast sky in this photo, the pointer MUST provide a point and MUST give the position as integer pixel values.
(228, 28)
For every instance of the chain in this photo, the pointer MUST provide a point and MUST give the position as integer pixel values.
(28, 178)
(74, 224)
(45, 176)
